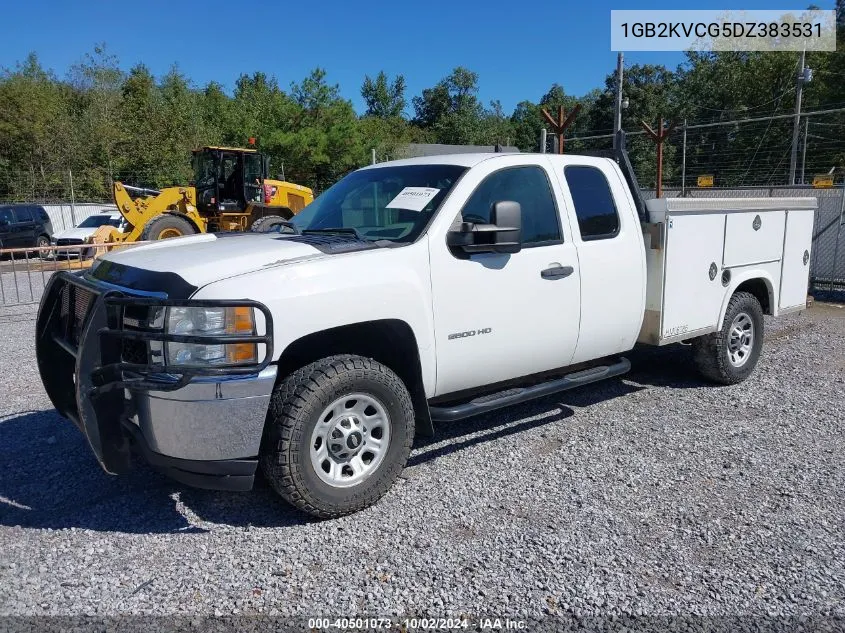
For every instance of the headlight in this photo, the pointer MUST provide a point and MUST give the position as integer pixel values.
(211, 322)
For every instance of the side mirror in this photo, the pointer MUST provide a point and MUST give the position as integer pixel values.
(502, 235)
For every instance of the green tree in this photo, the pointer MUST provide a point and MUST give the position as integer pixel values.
(37, 139)
(450, 110)
(96, 82)
(385, 99)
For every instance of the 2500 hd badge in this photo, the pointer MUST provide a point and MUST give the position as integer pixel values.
(485, 330)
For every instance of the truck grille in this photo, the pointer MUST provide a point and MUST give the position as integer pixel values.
(135, 352)
(135, 318)
(74, 307)
(68, 241)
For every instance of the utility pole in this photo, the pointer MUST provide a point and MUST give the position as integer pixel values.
(617, 118)
(796, 126)
(544, 137)
(72, 199)
(373, 155)
(804, 149)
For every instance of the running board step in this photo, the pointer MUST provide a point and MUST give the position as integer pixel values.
(517, 395)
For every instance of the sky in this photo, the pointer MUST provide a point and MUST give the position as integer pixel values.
(518, 49)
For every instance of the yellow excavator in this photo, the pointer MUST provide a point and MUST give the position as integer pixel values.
(230, 192)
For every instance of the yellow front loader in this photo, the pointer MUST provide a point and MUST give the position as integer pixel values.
(231, 192)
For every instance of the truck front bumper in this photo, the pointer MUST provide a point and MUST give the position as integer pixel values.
(201, 433)
(202, 427)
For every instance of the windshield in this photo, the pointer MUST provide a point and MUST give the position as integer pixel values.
(385, 203)
(93, 221)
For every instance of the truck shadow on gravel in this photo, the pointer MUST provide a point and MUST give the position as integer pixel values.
(670, 366)
(52, 481)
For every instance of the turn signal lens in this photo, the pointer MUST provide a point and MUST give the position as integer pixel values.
(241, 320)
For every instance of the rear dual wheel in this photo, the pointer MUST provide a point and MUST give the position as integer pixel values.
(339, 432)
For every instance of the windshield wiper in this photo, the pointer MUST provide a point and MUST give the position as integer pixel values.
(339, 229)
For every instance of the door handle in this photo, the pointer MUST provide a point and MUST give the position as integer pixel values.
(557, 272)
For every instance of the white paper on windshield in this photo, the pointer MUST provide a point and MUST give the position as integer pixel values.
(413, 198)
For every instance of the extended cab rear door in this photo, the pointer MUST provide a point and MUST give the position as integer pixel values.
(608, 236)
(500, 316)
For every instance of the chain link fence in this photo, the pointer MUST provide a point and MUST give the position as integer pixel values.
(21, 276)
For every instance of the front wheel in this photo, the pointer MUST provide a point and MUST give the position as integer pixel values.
(43, 242)
(339, 432)
(267, 224)
(166, 226)
(731, 354)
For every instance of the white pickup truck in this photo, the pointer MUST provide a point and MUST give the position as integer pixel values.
(413, 291)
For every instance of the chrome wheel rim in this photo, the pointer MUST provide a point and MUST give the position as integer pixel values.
(740, 339)
(350, 440)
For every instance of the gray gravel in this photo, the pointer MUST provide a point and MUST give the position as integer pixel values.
(651, 495)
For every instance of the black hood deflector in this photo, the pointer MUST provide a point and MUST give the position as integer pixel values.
(144, 280)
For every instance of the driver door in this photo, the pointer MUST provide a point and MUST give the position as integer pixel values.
(498, 316)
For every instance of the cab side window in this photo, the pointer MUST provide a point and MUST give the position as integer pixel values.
(593, 200)
(6, 216)
(530, 187)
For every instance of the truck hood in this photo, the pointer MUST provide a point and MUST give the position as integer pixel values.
(77, 234)
(201, 259)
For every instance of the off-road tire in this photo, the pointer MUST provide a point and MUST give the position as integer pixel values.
(710, 352)
(295, 407)
(165, 223)
(266, 224)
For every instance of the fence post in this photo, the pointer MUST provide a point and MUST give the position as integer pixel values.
(833, 266)
(72, 201)
(684, 163)
(659, 137)
(804, 149)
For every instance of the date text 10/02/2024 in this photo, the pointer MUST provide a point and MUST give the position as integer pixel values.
(416, 624)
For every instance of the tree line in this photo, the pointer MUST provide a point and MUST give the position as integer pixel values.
(107, 123)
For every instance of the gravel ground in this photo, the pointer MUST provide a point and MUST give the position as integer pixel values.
(654, 494)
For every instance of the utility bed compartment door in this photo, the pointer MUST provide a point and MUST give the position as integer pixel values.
(796, 258)
(753, 238)
(691, 299)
